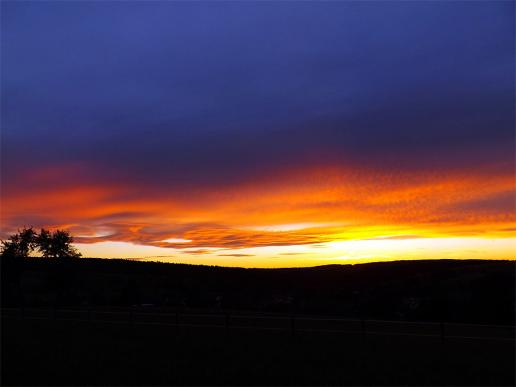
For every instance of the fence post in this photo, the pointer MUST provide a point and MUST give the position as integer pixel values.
(176, 325)
(292, 326)
(226, 323)
(442, 332)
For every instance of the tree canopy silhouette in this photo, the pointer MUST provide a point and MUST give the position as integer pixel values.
(19, 244)
(56, 244)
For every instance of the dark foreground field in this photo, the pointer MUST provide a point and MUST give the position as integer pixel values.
(102, 322)
(57, 352)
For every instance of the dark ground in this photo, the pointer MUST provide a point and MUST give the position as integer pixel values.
(47, 352)
(58, 352)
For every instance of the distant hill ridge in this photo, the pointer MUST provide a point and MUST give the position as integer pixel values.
(480, 291)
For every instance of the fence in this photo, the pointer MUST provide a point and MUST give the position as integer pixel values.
(291, 324)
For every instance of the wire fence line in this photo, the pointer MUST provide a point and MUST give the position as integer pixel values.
(292, 324)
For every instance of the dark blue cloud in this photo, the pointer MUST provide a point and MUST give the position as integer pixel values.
(201, 91)
(500, 203)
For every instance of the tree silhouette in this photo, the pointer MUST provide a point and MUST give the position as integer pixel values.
(44, 242)
(13, 251)
(57, 244)
(19, 245)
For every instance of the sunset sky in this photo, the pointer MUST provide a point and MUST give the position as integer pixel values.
(261, 134)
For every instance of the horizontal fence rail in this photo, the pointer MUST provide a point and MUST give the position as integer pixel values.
(292, 324)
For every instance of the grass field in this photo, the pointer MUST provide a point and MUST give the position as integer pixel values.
(58, 352)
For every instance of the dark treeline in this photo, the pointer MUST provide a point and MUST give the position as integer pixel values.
(437, 290)
(50, 244)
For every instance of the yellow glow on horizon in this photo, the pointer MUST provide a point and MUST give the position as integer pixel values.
(342, 252)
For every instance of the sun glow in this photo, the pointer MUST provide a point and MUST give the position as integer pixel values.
(293, 218)
(177, 240)
(339, 252)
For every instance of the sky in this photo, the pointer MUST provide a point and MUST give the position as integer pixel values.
(261, 134)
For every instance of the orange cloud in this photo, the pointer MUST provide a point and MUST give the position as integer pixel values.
(291, 207)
